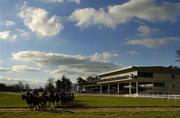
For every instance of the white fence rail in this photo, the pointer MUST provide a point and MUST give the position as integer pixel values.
(160, 96)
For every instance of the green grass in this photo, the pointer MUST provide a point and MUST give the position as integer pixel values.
(14, 100)
(92, 115)
(11, 100)
(113, 101)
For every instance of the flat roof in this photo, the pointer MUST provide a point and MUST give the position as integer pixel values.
(140, 67)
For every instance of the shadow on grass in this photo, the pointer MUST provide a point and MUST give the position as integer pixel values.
(57, 111)
(75, 104)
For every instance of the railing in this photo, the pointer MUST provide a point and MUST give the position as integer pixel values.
(165, 96)
(160, 96)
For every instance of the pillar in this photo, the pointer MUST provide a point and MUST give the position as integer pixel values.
(129, 87)
(100, 88)
(117, 88)
(136, 87)
(108, 88)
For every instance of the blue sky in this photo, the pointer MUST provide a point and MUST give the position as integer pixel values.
(40, 39)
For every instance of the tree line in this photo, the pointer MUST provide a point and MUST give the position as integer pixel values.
(14, 88)
(63, 84)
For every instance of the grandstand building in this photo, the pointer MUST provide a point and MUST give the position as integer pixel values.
(138, 80)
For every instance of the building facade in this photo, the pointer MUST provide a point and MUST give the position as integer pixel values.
(138, 80)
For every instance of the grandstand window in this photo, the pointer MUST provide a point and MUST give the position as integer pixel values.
(145, 74)
(159, 84)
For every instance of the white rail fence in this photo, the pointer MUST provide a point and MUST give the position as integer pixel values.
(160, 96)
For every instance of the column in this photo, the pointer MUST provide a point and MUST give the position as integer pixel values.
(100, 88)
(108, 88)
(117, 88)
(129, 87)
(136, 87)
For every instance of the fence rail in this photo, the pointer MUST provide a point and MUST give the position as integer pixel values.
(162, 96)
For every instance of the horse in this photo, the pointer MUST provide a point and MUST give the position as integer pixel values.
(32, 101)
(28, 101)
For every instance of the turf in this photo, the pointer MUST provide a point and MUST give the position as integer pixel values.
(92, 115)
(11, 100)
(14, 100)
(112, 101)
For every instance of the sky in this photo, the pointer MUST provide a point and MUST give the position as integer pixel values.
(41, 39)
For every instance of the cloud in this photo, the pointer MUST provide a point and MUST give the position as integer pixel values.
(133, 52)
(7, 35)
(38, 21)
(71, 65)
(7, 23)
(24, 68)
(61, 1)
(23, 34)
(20, 68)
(146, 31)
(153, 43)
(4, 69)
(34, 83)
(104, 56)
(146, 10)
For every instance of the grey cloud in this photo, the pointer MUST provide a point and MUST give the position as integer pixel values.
(147, 10)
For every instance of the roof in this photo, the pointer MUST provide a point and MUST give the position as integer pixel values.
(144, 68)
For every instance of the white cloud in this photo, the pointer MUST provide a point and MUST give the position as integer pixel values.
(142, 9)
(4, 69)
(104, 56)
(7, 23)
(38, 21)
(153, 43)
(146, 31)
(61, 1)
(23, 34)
(19, 68)
(24, 68)
(133, 52)
(7, 35)
(71, 65)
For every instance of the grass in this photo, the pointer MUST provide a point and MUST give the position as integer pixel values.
(9, 99)
(14, 100)
(113, 101)
(92, 115)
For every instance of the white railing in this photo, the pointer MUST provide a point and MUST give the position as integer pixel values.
(165, 96)
(160, 96)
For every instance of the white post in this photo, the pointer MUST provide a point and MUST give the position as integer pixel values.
(100, 88)
(108, 88)
(129, 87)
(137, 87)
(118, 88)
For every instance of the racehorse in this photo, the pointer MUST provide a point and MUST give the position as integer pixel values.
(32, 101)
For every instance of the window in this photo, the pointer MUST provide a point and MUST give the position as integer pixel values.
(173, 85)
(145, 74)
(159, 84)
(172, 76)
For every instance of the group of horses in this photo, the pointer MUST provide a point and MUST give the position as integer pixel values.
(47, 99)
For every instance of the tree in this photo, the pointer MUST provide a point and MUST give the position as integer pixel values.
(81, 81)
(27, 87)
(20, 86)
(59, 85)
(66, 83)
(50, 85)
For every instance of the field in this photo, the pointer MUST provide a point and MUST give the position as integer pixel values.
(94, 107)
